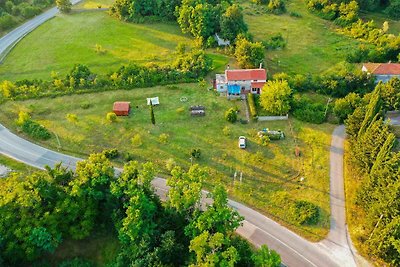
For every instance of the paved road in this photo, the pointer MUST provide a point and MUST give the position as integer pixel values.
(8, 41)
(257, 228)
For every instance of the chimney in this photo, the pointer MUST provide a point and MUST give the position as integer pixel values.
(390, 61)
(260, 65)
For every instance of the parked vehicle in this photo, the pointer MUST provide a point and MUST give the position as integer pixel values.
(242, 142)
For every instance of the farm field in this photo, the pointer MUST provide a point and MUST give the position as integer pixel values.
(272, 176)
(74, 38)
(313, 45)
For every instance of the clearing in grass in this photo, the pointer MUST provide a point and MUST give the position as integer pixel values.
(272, 176)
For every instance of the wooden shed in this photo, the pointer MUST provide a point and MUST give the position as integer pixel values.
(122, 108)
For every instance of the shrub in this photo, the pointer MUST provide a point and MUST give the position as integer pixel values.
(305, 213)
(35, 130)
(393, 10)
(170, 164)
(275, 98)
(306, 111)
(274, 42)
(22, 118)
(346, 106)
(73, 118)
(7, 21)
(276, 6)
(111, 117)
(111, 153)
(99, 49)
(136, 140)
(180, 110)
(128, 156)
(264, 140)
(226, 131)
(85, 105)
(231, 115)
(252, 106)
(195, 153)
(163, 138)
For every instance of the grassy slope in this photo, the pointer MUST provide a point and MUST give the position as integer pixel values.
(379, 18)
(270, 175)
(69, 39)
(313, 45)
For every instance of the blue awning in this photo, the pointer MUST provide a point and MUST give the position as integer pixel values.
(233, 89)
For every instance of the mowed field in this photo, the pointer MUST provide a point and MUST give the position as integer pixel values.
(313, 45)
(272, 177)
(70, 39)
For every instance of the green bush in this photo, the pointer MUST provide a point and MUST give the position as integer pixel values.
(22, 118)
(195, 153)
(35, 130)
(71, 117)
(111, 117)
(163, 138)
(231, 115)
(306, 111)
(7, 21)
(305, 213)
(111, 153)
(274, 42)
(226, 131)
(136, 140)
(252, 106)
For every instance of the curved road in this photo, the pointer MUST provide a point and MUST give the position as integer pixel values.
(257, 228)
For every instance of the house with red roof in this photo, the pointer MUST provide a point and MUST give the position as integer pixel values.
(235, 83)
(382, 71)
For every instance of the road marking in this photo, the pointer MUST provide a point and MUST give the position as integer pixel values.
(280, 241)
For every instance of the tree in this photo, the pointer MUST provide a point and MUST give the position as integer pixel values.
(232, 23)
(152, 118)
(249, 54)
(372, 110)
(346, 106)
(218, 217)
(64, 5)
(390, 93)
(213, 250)
(231, 115)
(185, 192)
(275, 97)
(266, 257)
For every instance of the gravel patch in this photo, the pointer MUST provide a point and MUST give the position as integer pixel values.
(4, 171)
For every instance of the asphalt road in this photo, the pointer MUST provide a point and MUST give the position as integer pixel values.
(8, 41)
(257, 228)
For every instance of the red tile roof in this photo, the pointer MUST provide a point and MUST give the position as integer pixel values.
(121, 106)
(251, 74)
(383, 68)
(257, 84)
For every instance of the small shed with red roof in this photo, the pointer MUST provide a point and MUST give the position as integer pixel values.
(122, 108)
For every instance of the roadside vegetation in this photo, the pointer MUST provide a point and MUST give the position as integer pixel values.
(14, 12)
(42, 209)
(372, 172)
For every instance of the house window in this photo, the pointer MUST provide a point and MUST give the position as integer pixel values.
(254, 89)
(243, 88)
(221, 87)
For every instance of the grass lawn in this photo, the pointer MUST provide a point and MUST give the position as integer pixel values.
(93, 4)
(313, 45)
(271, 175)
(69, 39)
(100, 248)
